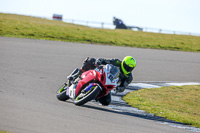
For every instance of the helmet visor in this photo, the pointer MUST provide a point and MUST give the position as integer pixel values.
(127, 67)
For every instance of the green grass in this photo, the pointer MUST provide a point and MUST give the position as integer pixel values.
(30, 27)
(181, 104)
(4, 132)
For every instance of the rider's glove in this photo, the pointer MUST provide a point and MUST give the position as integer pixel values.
(120, 89)
(99, 61)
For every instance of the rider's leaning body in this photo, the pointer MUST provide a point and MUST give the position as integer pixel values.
(126, 66)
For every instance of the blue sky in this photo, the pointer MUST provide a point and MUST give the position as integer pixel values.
(177, 15)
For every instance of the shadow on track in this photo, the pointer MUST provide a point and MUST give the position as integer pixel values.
(154, 118)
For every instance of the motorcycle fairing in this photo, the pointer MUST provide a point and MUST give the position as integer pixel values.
(86, 78)
(99, 76)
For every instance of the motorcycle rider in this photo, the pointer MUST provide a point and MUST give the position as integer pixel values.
(126, 66)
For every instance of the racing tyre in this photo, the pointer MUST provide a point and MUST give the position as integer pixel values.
(84, 97)
(61, 93)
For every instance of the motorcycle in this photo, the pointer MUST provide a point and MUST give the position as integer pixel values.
(91, 85)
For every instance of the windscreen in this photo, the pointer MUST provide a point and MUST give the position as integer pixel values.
(113, 70)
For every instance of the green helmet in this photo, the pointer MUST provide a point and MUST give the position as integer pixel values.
(128, 64)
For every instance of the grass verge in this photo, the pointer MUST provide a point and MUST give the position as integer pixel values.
(36, 28)
(4, 132)
(180, 104)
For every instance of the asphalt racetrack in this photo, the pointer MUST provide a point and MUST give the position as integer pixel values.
(32, 70)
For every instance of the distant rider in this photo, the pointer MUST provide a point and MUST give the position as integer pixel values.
(126, 66)
(119, 23)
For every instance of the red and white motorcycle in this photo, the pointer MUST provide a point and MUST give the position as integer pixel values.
(92, 84)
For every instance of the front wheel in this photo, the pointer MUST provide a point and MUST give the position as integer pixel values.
(84, 97)
(61, 93)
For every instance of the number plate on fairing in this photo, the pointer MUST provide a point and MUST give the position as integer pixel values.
(72, 91)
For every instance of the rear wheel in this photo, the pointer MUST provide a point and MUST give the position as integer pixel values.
(84, 97)
(61, 93)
